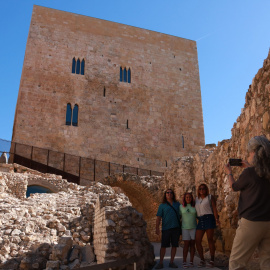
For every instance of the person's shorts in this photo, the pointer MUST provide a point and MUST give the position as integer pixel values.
(188, 234)
(206, 222)
(170, 237)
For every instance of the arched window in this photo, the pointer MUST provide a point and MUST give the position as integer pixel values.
(73, 65)
(68, 114)
(125, 75)
(129, 76)
(82, 67)
(78, 66)
(75, 115)
(121, 74)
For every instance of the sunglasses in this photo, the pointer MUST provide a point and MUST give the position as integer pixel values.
(202, 188)
(169, 192)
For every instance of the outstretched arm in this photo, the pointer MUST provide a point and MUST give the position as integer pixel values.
(228, 171)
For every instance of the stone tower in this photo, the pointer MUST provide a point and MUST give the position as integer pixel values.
(108, 91)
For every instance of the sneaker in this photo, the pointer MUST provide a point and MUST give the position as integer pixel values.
(185, 265)
(191, 265)
(201, 264)
(159, 266)
(172, 265)
(210, 264)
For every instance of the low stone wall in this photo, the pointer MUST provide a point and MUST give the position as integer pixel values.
(125, 223)
(145, 194)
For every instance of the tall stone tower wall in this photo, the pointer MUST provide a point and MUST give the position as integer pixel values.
(144, 123)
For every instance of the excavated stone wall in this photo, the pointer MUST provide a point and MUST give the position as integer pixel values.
(75, 227)
(208, 165)
(144, 192)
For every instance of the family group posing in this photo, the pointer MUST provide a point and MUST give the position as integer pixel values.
(171, 211)
(200, 216)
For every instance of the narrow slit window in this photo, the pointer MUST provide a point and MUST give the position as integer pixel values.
(68, 114)
(129, 76)
(75, 115)
(78, 66)
(73, 65)
(127, 125)
(166, 163)
(82, 67)
(121, 74)
(183, 144)
(104, 92)
(125, 75)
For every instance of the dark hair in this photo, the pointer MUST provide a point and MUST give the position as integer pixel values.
(192, 201)
(260, 145)
(207, 190)
(164, 200)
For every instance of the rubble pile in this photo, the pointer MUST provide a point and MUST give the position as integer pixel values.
(68, 229)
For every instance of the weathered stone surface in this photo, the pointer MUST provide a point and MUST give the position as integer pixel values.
(144, 193)
(208, 164)
(161, 104)
(57, 229)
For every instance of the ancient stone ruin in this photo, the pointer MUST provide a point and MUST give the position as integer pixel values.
(82, 225)
(71, 228)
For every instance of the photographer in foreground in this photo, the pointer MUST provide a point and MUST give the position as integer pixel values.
(253, 207)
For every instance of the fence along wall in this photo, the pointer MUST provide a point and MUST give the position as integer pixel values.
(145, 123)
(76, 169)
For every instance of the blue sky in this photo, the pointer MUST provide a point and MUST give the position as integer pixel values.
(233, 39)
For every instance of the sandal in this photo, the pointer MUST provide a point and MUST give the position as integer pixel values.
(201, 264)
(210, 264)
(185, 265)
(191, 265)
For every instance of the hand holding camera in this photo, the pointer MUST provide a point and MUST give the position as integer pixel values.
(235, 162)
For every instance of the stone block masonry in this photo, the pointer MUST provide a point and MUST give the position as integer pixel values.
(146, 123)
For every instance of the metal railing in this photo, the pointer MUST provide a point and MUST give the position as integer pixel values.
(75, 169)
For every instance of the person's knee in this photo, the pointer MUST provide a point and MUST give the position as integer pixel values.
(210, 240)
(198, 242)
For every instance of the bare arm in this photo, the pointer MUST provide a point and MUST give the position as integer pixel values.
(228, 171)
(157, 225)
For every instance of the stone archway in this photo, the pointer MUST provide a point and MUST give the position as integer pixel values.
(144, 193)
(43, 183)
